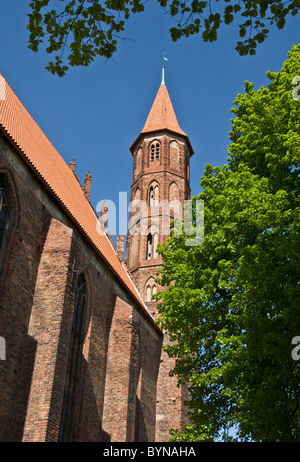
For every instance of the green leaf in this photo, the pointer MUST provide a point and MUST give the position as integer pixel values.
(76, 22)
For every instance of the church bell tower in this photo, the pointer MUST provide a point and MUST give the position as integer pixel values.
(160, 185)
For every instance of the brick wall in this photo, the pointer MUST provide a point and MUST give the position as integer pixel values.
(134, 352)
(52, 308)
(45, 255)
(28, 230)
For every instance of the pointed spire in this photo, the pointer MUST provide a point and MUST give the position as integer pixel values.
(162, 115)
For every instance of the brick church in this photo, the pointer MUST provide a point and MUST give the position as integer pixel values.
(83, 356)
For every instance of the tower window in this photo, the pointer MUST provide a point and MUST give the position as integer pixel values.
(152, 242)
(148, 294)
(77, 338)
(149, 247)
(151, 196)
(4, 219)
(157, 150)
(152, 152)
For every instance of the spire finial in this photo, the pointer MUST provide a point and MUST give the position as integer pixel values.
(163, 76)
(163, 69)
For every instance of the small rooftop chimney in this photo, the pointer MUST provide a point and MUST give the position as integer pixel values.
(72, 165)
(87, 185)
(120, 247)
(103, 216)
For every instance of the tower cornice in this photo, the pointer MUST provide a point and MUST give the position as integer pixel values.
(162, 131)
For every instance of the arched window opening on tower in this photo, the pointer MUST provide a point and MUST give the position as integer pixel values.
(4, 219)
(73, 372)
(157, 151)
(148, 294)
(153, 195)
(149, 247)
(154, 151)
(152, 242)
(150, 291)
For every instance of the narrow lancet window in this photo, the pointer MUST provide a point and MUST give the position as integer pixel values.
(4, 219)
(152, 152)
(149, 247)
(148, 294)
(151, 196)
(73, 373)
(152, 242)
(157, 151)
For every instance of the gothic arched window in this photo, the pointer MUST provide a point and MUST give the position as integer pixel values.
(150, 291)
(149, 247)
(157, 151)
(77, 339)
(154, 151)
(152, 242)
(151, 196)
(4, 219)
(148, 294)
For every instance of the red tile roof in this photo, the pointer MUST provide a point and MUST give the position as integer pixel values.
(49, 166)
(162, 117)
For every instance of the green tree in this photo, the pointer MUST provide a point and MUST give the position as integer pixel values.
(90, 28)
(232, 304)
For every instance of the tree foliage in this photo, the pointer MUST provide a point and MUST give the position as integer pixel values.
(232, 304)
(90, 28)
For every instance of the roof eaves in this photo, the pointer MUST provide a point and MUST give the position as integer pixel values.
(162, 130)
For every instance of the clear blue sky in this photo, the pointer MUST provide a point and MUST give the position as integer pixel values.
(94, 114)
